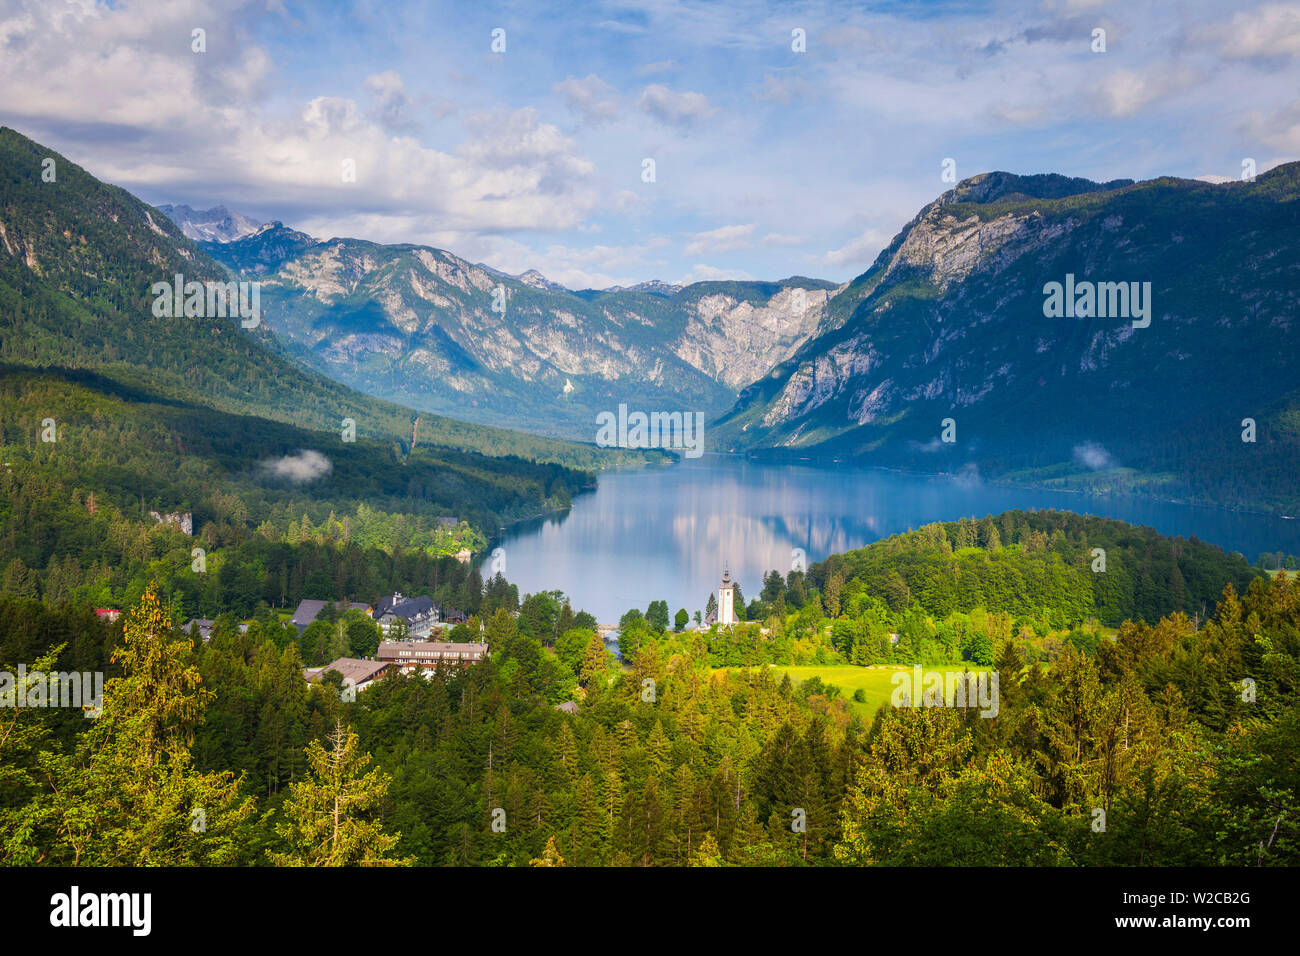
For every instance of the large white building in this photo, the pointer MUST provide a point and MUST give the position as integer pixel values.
(412, 655)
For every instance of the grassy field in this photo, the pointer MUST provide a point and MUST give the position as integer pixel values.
(875, 682)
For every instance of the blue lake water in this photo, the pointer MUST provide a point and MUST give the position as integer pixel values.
(665, 533)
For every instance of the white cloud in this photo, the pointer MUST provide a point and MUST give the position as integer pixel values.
(1125, 93)
(723, 239)
(1278, 128)
(861, 250)
(703, 273)
(1270, 31)
(131, 102)
(682, 110)
(303, 467)
(1093, 456)
(391, 102)
(591, 98)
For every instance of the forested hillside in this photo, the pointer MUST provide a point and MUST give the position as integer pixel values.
(74, 512)
(78, 259)
(1031, 563)
(951, 323)
(1183, 741)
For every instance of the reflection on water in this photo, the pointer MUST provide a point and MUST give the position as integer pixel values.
(667, 532)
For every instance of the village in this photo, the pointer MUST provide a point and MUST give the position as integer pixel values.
(410, 627)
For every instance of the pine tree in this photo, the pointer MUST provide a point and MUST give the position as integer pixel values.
(19, 581)
(594, 662)
(708, 853)
(330, 818)
(128, 796)
(550, 856)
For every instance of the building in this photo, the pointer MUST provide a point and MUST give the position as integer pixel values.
(356, 673)
(413, 655)
(419, 613)
(204, 625)
(726, 613)
(464, 555)
(569, 707)
(308, 611)
(108, 613)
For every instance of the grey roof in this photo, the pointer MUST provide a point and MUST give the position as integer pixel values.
(306, 613)
(309, 610)
(429, 652)
(353, 670)
(404, 607)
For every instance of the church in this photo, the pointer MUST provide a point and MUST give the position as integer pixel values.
(726, 612)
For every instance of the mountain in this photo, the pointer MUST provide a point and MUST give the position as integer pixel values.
(217, 224)
(951, 322)
(106, 404)
(424, 327)
(78, 261)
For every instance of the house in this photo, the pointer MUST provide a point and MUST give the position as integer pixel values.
(309, 610)
(464, 555)
(356, 673)
(569, 707)
(412, 655)
(204, 625)
(108, 613)
(419, 613)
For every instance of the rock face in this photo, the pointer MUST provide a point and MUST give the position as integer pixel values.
(736, 342)
(426, 328)
(217, 224)
(184, 520)
(950, 323)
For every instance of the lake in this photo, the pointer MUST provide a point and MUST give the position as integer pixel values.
(666, 533)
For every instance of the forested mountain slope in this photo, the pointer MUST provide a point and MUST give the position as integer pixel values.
(424, 327)
(950, 323)
(78, 260)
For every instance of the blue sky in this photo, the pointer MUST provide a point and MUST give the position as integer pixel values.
(768, 162)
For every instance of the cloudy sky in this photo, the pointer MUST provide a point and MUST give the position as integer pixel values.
(768, 162)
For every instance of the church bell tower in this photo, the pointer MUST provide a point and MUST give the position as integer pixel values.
(726, 600)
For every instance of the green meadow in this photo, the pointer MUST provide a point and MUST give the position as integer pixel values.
(875, 682)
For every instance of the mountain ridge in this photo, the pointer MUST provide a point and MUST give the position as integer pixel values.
(218, 224)
(78, 260)
(424, 327)
(949, 323)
